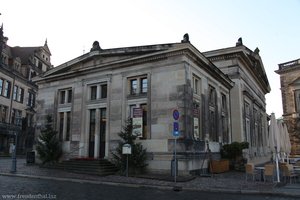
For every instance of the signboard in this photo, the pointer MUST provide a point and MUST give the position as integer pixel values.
(126, 149)
(175, 114)
(196, 124)
(137, 122)
(175, 129)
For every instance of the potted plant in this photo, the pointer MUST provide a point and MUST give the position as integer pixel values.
(234, 153)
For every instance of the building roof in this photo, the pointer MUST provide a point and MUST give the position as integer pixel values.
(252, 61)
(126, 56)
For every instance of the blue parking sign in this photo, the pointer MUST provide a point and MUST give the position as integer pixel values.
(175, 129)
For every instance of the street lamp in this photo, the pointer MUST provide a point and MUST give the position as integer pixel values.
(14, 155)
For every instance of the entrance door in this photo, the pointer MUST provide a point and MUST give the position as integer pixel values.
(92, 132)
(102, 132)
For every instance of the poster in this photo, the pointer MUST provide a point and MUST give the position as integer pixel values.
(137, 122)
(196, 124)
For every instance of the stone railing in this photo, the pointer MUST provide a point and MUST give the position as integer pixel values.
(289, 64)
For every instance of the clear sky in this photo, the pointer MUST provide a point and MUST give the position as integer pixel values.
(71, 26)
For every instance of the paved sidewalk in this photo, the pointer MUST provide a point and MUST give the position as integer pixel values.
(233, 182)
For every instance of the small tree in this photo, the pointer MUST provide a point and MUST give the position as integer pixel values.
(48, 144)
(137, 158)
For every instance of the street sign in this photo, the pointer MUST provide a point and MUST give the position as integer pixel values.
(175, 114)
(175, 129)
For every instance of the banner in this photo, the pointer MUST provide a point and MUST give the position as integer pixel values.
(137, 122)
(196, 124)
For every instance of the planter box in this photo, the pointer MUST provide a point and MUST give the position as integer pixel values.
(219, 166)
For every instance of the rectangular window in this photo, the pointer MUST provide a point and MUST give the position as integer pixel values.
(7, 89)
(18, 117)
(196, 85)
(92, 124)
(69, 96)
(1, 86)
(297, 100)
(62, 97)
(224, 103)
(138, 85)
(20, 96)
(144, 85)
(93, 92)
(61, 125)
(15, 93)
(133, 86)
(144, 107)
(68, 126)
(104, 91)
(31, 99)
(13, 116)
(212, 96)
(3, 113)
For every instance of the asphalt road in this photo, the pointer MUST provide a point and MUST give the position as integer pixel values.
(31, 188)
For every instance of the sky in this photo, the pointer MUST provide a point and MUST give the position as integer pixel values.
(71, 27)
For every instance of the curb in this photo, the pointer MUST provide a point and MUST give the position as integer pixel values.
(162, 187)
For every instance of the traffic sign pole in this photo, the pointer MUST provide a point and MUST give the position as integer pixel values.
(175, 159)
(175, 134)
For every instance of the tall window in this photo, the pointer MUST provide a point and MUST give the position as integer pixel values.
(92, 124)
(31, 99)
(3, 113)
(133, 86)
(16, 117)
(7, 89)
(93, 92)
(196, 85)
(212, 96)
(15, 93)
(247, 122)
(62, 97)
(212, 114)
(61, 126)
(69, 98)
(1, 86)
(68, 126)
(224, 120)
(103, 91)
(144, 85)
(297, 100)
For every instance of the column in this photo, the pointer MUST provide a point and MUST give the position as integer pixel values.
(97, 134)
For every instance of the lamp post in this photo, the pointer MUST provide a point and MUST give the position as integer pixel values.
(14, 155)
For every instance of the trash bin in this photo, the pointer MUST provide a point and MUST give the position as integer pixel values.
(173, 167)
(30, 157)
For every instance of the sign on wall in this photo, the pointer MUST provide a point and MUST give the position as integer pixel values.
(196, 124)
(137, 122)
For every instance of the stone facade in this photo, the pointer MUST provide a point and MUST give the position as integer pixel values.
(18, 65)
(290, 90)
(90, 98)
(247, 98)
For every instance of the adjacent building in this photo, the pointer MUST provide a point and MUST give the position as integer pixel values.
(290, 90)
(18, 65)
(219, 96)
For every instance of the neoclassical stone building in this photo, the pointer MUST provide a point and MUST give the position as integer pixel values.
(91, 96)
(247, 98)
(290, 91)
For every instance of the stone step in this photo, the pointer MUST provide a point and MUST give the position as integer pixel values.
(99, 167)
